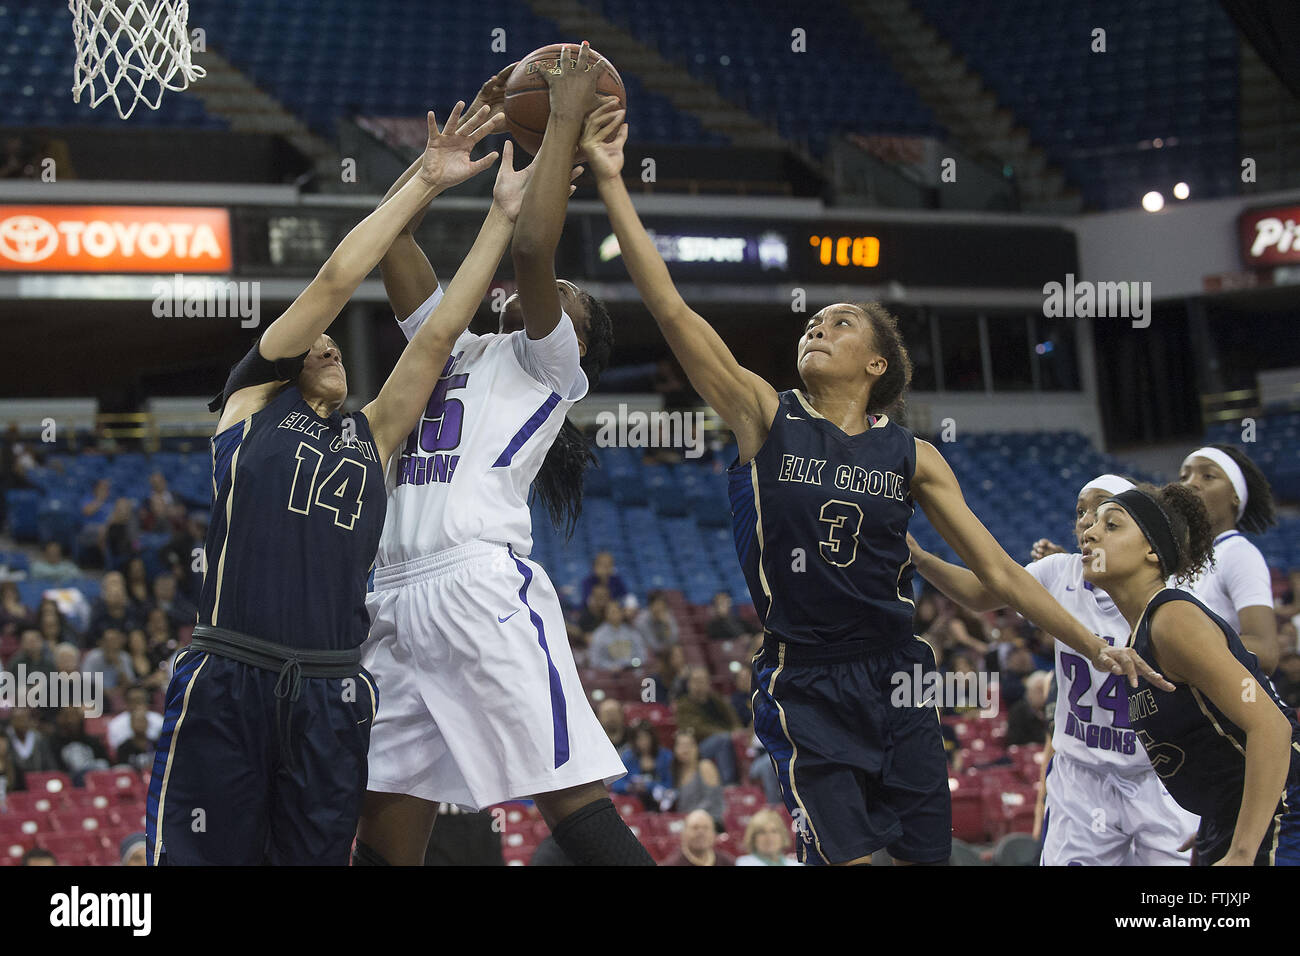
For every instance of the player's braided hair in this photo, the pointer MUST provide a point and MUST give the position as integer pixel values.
(887, 393)
(560, 479)
(1260, 513)
(1190, 525)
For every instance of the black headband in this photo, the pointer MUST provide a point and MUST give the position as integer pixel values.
(1154, 525)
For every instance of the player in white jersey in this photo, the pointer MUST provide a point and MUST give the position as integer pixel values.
(481, 700)
(1103, 804)
(1237, 587)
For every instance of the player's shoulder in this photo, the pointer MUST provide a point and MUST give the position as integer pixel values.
(1064, 568)
(1237, 546)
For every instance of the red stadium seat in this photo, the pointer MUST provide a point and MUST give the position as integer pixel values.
(747, 796)
(518, 855)
(67, 846)
(24, 824)
(967, 812)
(48, 781)
(627, 806)
(75, 799)
(28, 802)
(122, 782)
(88, 820)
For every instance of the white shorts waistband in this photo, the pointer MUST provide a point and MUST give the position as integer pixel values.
(441, 562)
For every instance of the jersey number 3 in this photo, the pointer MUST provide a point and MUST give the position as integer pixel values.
(841, 545)
(340, 492)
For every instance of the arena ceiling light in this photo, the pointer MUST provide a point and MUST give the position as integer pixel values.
(1181, 191)
(1153, 201)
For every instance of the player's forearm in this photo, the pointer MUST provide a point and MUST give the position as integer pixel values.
(1268, 757)
(470, 283)
(363, 247)
(1265, 650)
(1017, 588)
(541, 214)
(644, 264)
(954, 582)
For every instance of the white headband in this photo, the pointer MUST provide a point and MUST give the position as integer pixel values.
(1230, 468)
(1111, 484)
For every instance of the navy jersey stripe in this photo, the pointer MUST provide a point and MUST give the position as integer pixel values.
(527, 431)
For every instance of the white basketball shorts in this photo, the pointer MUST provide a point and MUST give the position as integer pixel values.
(1094, 817)
(479, 698)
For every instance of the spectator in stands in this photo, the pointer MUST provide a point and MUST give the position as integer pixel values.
(119, 536)
(610, 714)
(670, 680)
(649, 767)
(139, 594)
(147, 670)
(767, 841)
(30, 747)
(593, 611)
(53, 566)
(33, 654)
(696, 780)
(1019, 665)
(138, 749)
(741, 695)
(1027, 721)
(183, 552)
(602, 572)
(19, 159)
(162, 638)
(77, 751)
(699, 838)
(95, 511)
(132, 850)
(110, 658)
(54, 627)
(710, 718)
(723, 623)
(113, 609)
(12, 778)
(180, 610)
(14, 614)
(39, 856)
(137, 698)
(657, 624)
(615, 644)
(156, 515)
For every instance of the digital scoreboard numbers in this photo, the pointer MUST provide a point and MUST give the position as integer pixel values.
(846, 250)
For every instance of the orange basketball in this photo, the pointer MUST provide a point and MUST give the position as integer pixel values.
(528, 98)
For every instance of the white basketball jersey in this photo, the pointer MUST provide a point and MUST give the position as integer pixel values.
(464, 473)
(1092, 724)
(1238, 579)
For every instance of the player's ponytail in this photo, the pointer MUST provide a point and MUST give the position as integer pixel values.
(887, 393)
(559, 481)
(1191, 527)
(1260, 513)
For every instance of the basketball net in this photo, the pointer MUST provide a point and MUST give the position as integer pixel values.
(134, 48)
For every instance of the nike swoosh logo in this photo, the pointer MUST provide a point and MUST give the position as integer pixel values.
(1069, 588)
(502, 620)
(363, 720)
(793, 418)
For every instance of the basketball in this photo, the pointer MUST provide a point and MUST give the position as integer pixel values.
(528, 101)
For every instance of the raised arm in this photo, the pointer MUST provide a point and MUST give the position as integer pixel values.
(541, 218)
(397, 408)
(935, 489)
(746, 403)
(955, 582)
(1192, 649)
(408, 276)
(445, 163)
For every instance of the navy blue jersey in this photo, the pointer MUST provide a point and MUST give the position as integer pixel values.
(1198, 752)
(296, 519)
(820, 521)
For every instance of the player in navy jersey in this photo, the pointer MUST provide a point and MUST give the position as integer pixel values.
(821, 493)
(1223, 742)
(262, 756)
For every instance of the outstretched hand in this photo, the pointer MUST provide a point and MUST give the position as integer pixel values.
(446, 161)
(493, 92)
(605, 158)
(573, 82)
(1126, 661)
(508, 193)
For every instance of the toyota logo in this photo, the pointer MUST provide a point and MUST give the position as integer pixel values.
(27, 239)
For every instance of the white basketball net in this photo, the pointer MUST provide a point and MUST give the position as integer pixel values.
(139, 46)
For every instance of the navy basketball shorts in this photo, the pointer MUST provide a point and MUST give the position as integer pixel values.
(1281, 843)
(857, 773)
(238, 781)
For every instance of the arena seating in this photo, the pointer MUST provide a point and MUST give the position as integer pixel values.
(1170, 72)
(81, 826)
(843, 82)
